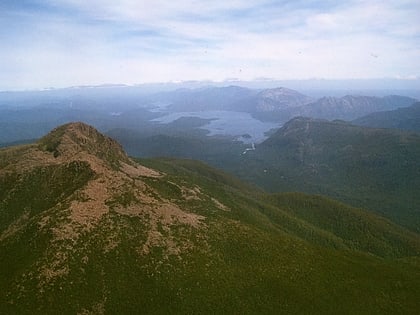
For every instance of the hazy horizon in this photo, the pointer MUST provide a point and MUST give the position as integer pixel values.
(311, 87)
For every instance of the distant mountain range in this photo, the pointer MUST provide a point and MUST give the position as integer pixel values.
(28, 115)
(345, 108)
(279, 99)
(84, 229)
(279, 104)
(407, 118)
(350, 107)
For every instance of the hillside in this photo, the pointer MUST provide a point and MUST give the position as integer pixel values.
(85, 229)
(217, 151)
(372, 168)
(348, 108)
(407, 118)
(351, 106)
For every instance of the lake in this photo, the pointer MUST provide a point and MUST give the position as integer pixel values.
(227, 123)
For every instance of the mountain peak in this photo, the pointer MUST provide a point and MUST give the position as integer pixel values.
(280, 98)
(279, 91)
(70, 139)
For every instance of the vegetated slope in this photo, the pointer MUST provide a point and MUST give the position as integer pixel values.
(218, 151)
(84, 229)
(372, 168)
(316, 219)
(348, 107)
(407, 118)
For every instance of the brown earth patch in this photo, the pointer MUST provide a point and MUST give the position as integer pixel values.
(88, 205)
(90, 211)
(220, 205)
(138, 170)
(191, 194)
(15, 226)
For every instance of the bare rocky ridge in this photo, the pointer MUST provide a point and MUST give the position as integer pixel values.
(71, 139)
(115, 177)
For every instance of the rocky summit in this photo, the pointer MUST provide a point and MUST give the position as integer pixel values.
(84, 229)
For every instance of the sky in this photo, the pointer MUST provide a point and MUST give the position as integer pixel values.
(60, 43)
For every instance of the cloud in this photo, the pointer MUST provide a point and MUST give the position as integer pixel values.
(46, 43)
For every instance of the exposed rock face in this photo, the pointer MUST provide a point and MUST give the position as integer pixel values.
(110, 183)
(72, 139)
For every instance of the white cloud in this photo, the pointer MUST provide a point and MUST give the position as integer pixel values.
(93, 42)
